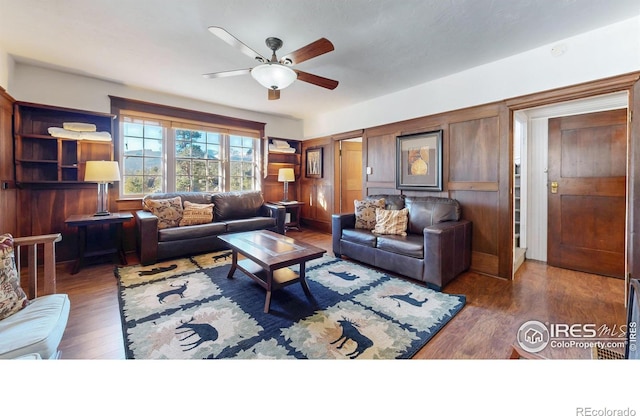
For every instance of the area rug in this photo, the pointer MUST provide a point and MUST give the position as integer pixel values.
(189, 309)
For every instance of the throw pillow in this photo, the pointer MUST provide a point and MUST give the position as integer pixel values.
(392, 221)
(12, 297)
(366, 212)
(194, 214)
(168, 211)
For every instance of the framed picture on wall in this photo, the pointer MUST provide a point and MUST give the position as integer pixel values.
(314, 163)
(419, 161)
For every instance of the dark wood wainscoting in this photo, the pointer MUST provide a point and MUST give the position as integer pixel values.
(475, 146)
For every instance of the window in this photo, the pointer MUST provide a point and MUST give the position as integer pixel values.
(142, 156)
(160, 152)
(198, 161)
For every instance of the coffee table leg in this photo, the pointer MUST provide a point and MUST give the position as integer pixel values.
(234, 264)
(267, 300)
(303, 281)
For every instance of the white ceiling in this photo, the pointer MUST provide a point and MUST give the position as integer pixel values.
(381, 46)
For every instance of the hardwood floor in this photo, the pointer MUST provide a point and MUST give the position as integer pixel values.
(485, 329)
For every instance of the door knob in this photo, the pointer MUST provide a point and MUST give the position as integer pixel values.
(554, 187)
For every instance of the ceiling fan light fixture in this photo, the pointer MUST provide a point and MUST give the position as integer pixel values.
(274, 76)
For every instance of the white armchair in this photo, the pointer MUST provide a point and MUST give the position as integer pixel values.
(30, 325)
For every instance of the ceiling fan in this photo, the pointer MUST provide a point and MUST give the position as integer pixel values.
(272, 73)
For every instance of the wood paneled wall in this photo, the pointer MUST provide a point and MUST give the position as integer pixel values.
(477, 168)
(318, 193)
(8, 191)
(476, 172)
(44, 211)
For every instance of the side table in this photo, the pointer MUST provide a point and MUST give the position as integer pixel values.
(292, 208)
(83, 221)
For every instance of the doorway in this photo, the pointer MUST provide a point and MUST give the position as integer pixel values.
(587, 192)
(349, 162)
(534, 166)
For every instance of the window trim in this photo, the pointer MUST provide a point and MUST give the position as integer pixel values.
(237, 125)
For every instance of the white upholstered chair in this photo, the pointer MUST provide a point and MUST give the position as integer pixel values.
(30, 325)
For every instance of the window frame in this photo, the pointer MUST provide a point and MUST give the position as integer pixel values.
(186, 119)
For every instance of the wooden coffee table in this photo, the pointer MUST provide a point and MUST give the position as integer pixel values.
(268, 256)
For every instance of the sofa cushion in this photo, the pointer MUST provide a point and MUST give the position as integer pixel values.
(359, 236)
(429, 210)
(193, 231)
(38, 328)
(195, 197)
(250, 224)
(168, 211)
(12, 297)
(366, 212)
(390, 201)
(392, 221)
(194, 214)
(236, 205)
(409, 245)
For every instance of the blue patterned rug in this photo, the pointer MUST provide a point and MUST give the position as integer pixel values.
(188, 309)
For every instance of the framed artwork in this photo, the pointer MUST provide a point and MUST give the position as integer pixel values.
(314, 163)
(419, 161)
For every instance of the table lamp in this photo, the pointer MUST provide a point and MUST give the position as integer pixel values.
(102, 172)
(286, 175)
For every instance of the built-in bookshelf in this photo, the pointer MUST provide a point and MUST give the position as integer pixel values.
(273, 190)
(41, 158)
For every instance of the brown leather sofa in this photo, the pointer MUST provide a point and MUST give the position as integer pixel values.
(232, 212)
(436, 249)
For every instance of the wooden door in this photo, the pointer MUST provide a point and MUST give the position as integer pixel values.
(350, 174)
(587, 192)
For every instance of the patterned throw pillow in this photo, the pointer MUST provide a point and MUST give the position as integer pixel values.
(168, 211)
(366, 212)
(194, 214)
(392, 221)
(12, 297)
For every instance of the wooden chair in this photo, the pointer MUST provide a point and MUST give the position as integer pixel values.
(48, 242)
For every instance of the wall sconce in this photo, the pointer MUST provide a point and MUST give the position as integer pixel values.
(102, 172)
(286, 175)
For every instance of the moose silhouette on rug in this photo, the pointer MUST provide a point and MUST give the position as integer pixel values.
(350, 332)
(205, 332)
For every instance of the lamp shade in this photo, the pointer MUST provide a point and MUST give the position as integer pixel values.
(286, 175)
(273, 75)
(101, 171)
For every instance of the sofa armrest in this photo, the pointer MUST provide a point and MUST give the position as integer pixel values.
(278, 212)
(146, 237)
(447, 251)
(340, 222)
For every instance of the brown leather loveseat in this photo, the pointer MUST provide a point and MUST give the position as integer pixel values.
(231, 212)
(435, 249)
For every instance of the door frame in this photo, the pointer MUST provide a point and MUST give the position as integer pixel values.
(630, 84)
(536, 160)
(337, 174)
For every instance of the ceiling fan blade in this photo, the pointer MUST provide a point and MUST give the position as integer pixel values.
(225, 74)
(317, 48)
(317, 80)
(233, 41)
(274, 94)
